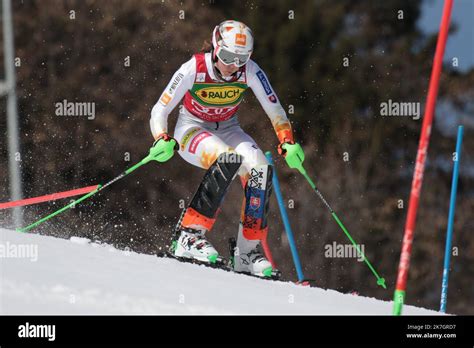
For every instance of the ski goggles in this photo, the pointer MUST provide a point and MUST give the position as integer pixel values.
(229, 58)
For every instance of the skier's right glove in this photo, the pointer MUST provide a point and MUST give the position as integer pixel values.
(293, 153)
(163, 148)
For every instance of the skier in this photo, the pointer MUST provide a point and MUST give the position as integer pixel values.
(208, 135)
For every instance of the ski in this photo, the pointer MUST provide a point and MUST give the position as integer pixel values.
(221, 264)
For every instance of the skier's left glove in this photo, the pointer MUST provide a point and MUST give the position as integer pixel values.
(292, 152)
(163, 148)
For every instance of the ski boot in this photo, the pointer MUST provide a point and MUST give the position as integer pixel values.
(251, 261)
(192, 244)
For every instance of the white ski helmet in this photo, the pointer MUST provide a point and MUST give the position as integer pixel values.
(232, 42)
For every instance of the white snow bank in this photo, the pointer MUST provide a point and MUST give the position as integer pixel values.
(78, 277)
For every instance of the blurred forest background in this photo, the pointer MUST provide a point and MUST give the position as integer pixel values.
(362, 162)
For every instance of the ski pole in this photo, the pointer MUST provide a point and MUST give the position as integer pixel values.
(286, 222)
(380, 281)
(449, 234)
(98, 189)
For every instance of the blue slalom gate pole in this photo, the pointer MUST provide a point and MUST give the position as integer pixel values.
(286, 222)
(449, 234)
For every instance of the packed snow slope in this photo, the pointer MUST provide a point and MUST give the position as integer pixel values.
(78, 277)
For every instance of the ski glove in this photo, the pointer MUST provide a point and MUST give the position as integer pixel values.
(163, 148)
(292, 152)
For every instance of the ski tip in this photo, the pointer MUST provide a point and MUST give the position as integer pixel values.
(213, 258)
(268, 272)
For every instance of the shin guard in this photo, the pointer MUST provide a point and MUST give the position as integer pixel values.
(202, 211)
(256, 203)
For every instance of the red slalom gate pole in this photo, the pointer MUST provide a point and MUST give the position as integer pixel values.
(403, 268)
(268, 253)
(46, 198)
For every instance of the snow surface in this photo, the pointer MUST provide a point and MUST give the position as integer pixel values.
(79, 277)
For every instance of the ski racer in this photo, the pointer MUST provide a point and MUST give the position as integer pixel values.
(208, 135)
